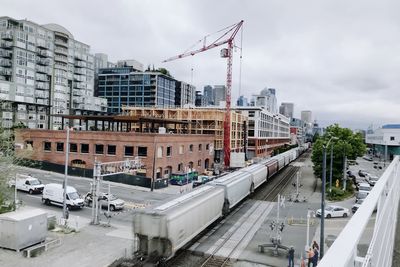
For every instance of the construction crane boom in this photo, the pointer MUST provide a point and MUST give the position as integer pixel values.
(226, 38)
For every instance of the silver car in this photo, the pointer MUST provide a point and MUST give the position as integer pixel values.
(105, 199)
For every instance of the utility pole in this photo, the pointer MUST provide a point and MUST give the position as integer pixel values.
(65, 215)
(96, 192)
(330, 172)
(321, 240)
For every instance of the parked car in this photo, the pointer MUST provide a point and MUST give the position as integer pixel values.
(362, 173)
(334, 211)
(351, 175)
(364, 187)
(54, 194)
(372, 179)
(361, 195)
(104, 198)
(27, 183)
(357, 205)
(369, 158)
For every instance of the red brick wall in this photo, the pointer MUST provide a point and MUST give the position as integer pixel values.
(120, 139)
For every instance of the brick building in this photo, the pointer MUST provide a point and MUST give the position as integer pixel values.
(174, 152)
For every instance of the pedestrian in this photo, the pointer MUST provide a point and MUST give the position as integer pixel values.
(310, 256)
(315, 258)
(315, 245)
(291, 256)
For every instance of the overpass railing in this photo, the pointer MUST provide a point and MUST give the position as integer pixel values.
(385, 196)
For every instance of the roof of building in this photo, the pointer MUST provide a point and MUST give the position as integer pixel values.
(58, 28)
(119, 118)
(391, 126)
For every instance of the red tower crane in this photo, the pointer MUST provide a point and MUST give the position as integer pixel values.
(227, 37)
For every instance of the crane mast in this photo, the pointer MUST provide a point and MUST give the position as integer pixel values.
(226, 38)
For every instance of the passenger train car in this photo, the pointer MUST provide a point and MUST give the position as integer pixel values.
(163, 230)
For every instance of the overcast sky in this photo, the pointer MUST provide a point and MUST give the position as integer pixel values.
(340, 59)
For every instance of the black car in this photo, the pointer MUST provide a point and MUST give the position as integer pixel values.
(351, 175)
(362, 173)
(357, 205)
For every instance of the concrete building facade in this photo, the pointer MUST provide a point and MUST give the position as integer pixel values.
(219, 93)
(385, 140)
(43, 71)
(286, 109)
(306, 116)
(185, 94)
(266, 131)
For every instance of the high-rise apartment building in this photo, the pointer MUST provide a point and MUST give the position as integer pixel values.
(219, 94)
(242, 101)
(44, 71)
(287, 109)
(125, 86)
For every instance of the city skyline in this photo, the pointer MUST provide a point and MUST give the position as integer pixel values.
(328, 58)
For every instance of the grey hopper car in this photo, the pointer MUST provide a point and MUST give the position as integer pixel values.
(237, 186)
(162, 230)
(258, 175)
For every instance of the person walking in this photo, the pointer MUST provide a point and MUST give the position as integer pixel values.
(315, 245)
(315, 258)
(310, 256)
(291, 256)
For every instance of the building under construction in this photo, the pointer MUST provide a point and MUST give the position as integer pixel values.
(200, 120)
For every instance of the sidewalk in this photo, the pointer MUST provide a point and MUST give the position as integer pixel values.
(90, 246)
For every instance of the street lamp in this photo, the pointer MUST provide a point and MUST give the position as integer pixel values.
(323, 195)
(330, 172)
(65, 215)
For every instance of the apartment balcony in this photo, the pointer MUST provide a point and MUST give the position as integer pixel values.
(42, 69)
(61, 50)
(77, 92)
(42, 86)
(79, 64)
(5, 72)
(43, 44)
(41, 94)
(42, 101)
(42, 52)
(79, 71)
(42, 77)
(79, 57)
(61, 66)
(6, 44)
(79, 78)
(61, 43)
(7, 36)
(43, 61)
(5, 63)
(61, 58)
(78, 100)
(79, 85)
(5, 53)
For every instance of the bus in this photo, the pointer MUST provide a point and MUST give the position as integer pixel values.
(183, 178)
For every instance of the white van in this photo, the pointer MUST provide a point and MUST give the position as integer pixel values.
(54, 194)
(28, 184)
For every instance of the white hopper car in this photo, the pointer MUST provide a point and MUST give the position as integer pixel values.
(162, 230)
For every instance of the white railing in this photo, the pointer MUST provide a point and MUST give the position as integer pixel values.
(385, 196)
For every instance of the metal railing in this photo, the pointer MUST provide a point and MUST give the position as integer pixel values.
(385, 197)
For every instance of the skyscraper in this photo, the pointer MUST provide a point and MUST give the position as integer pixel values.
(267, 99)
(208, 95)
(306, 116)
(219, 94)
(287, 109)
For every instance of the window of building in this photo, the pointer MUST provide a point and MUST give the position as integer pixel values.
(29, 145)
(99, 149)
(207, 146)
(191, 148)
(84, 148)
(392, 138)
(128, 151)
(111, 149)
(169, 151)
(60, 146)
(159, 152)
(181, 149)
(142, 151)
(73, 147)
(200, 147)
(47, 146)
(180, 167)
(199, 162)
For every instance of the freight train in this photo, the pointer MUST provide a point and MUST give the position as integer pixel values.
(162, 230)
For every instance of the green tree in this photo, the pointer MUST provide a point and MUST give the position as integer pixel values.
(348, 144)
(7, 170)
(164, 71)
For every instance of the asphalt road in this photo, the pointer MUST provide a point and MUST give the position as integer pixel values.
(134, 197)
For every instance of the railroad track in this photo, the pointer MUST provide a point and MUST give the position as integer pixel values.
(218, 261)
(282, 183)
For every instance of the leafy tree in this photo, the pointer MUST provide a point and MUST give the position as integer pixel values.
(164, 71)
(7, 169)
(348, 144)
